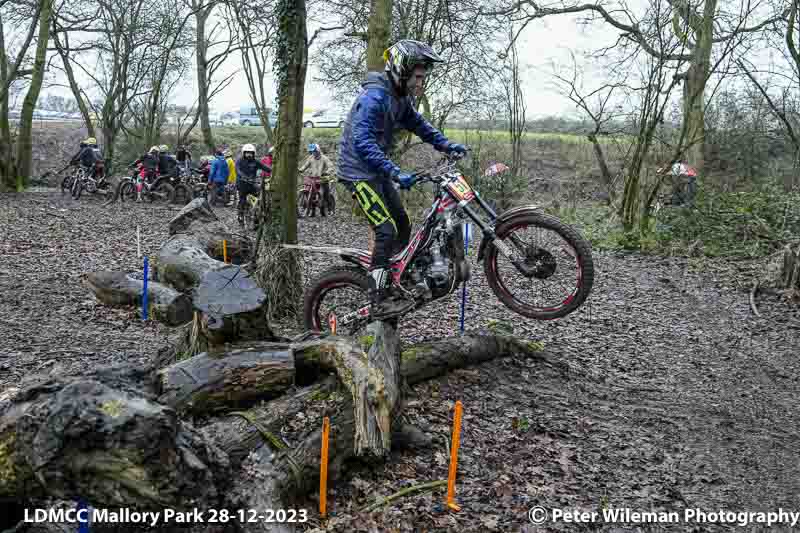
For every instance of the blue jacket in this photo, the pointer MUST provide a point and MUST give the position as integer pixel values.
(219, 170)
(369, 130)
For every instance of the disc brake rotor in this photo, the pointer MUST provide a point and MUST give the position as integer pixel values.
(542, 262)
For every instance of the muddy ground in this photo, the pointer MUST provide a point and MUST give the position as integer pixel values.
(663, 392)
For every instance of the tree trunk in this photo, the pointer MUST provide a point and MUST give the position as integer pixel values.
(201, 15)
(278, 268)
(63, 51)
(109, 138)
(375, 410)
(120, 289)
(695, 82)
(25, 131)
(604, 171)
(379, 31)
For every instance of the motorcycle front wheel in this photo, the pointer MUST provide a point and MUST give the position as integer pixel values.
(559, 263)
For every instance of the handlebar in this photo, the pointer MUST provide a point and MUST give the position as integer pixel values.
(434, 175)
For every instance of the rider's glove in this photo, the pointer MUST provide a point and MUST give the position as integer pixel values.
(455, 148)
(406, 180)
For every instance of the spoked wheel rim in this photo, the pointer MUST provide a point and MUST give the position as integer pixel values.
(345, 309)
(556, 274)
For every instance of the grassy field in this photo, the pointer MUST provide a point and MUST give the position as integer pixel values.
(238, 135)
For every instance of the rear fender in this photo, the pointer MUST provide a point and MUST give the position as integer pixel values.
(361, 258)
(501, 219)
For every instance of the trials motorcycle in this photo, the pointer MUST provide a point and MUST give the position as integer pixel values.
(535, 277)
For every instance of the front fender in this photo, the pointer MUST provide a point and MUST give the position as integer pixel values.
(501, 219)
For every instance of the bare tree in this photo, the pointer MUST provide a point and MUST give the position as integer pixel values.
(699, 27)
(255, 24)
(454, 28)
(598, 105)
(15, 67)
(72, 17)
(213, 46)
(122, 51)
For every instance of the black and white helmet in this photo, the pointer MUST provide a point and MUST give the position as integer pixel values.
(404, 55)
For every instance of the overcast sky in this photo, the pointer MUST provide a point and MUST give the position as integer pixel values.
(542, 42)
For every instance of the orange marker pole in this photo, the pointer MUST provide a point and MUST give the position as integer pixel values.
(323, 467)
(451, 478)
(225, 251)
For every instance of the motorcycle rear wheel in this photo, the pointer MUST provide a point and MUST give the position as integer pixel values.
(339, 277)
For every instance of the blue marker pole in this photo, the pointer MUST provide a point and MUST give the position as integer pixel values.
(83, 527)
(144, 291)
(464, 287)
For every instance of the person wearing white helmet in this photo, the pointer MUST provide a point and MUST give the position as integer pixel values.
(247, 168)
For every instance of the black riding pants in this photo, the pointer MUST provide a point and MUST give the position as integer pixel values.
(245, 188)
(380, 201)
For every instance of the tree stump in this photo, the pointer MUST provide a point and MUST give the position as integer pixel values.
(120, 289)
(233, 307)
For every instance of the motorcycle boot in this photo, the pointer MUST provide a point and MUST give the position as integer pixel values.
(384, 304)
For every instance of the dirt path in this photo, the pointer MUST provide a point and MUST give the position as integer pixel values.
(664, 393)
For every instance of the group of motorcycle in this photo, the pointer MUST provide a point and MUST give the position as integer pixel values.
(181, 187)
(184, 185)
(81, 179)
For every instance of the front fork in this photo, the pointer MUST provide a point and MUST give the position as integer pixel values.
(517, 257)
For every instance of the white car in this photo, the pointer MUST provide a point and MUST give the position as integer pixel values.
(324, 118)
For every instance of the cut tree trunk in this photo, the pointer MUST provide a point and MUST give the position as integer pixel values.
(233, 307)
(375, 410)
(196, 246)
(212, 382)
(103, 438)
(120, 289)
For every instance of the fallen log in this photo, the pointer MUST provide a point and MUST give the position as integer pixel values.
(103, 437)
(198, 210)
(181, 261)
(296, 420)
(100, 438)
(233, 307)
(120, 289)
(212, 382)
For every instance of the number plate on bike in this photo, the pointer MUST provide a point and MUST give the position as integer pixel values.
(460, 189)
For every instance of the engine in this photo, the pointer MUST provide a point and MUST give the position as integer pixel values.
(431, 271)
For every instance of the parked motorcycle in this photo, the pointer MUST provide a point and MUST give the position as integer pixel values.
(530, 275)
(82, 180)
(142, 184)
